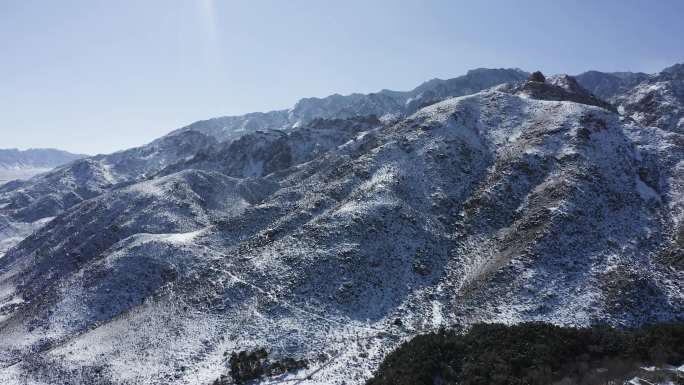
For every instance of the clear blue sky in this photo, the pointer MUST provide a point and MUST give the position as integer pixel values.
(102, 75)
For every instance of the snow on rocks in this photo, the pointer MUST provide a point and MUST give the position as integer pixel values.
(350, 237)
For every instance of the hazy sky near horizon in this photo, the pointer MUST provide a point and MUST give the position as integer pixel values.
(96, 76)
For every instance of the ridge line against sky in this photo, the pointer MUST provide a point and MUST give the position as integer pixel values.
(95, 76)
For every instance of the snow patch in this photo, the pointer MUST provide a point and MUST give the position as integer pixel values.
(183, 238)
(645, 191)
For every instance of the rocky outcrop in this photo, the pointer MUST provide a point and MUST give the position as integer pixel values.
(557, 88)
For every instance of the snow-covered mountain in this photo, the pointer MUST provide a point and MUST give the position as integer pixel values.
(27, 204)
(651, 100)
(334, 231)
(18, 164)
(609, 85)
(385, 102)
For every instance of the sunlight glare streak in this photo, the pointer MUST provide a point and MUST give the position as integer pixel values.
(207, 13)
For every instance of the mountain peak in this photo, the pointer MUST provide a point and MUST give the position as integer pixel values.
(556, 87)
(537, 77)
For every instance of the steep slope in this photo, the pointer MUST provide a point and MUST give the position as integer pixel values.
(559, 87)
(651, 100)
(17, 164)
(26, 205)
(265, 152)
(475, 80)
(608, 86)
(338, 239)
(657, 101)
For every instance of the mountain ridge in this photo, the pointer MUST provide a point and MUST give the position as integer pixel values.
(22, 164)
(651, 100)
(335, 239)
(355, 104)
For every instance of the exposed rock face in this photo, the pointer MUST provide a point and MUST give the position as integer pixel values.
(560, 87)
(537, 77)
